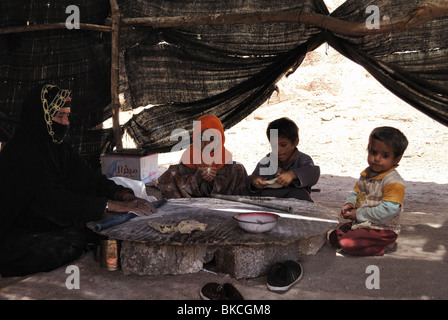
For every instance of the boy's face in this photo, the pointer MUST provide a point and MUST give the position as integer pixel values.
(381, 157)
(285, 149)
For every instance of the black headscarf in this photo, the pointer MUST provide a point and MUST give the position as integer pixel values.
(39, 108)
(36, 120)
(43, 181)
(33, 157)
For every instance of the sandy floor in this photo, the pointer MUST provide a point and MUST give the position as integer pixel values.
(336, 104)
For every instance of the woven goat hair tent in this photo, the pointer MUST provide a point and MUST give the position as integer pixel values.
(187, 58)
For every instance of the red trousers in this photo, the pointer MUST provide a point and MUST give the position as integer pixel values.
(364, 242)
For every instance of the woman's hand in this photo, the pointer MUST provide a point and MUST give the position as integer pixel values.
(138, 205)
(125, 195)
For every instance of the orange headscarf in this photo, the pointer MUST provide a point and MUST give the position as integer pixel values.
(193, 157)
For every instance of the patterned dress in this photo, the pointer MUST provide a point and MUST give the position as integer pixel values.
(180, 181)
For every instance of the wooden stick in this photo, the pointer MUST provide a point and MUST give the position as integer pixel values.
(114, 74)
(53, 26)
(422, 14)
(248, 200)
(418, 16)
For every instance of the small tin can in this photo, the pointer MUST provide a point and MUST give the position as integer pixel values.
(110, 255)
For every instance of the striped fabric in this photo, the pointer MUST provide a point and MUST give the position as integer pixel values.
(372, 190)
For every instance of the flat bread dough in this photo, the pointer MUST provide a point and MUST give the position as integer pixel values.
(185, 226)
(361, 225)
(162, 227)
(273, 184)
(188, 226)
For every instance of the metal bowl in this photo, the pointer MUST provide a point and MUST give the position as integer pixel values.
(256, 222)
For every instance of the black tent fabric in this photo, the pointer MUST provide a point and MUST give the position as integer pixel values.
(78, 60)
(226, 70)
(413, 64)
(183, 72)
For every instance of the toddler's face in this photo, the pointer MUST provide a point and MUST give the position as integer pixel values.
(381, 157)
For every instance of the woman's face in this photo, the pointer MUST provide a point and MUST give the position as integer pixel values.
(63, 116)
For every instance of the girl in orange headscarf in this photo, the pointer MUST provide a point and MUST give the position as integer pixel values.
(206, 166)
(207, 150)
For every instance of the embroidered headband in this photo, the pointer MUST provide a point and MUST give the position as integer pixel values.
(51, 109)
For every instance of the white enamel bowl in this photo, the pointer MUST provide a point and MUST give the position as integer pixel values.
(256, 222)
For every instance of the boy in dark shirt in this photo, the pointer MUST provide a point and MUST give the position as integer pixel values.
(285, 172)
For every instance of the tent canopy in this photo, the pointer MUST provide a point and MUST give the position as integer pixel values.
(227, 69)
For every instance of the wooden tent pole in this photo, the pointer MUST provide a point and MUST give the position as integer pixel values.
(114, 74)
(422, 14)
(53, 26)
(425, 12)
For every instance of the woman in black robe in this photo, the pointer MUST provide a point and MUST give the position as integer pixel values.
(48, 193)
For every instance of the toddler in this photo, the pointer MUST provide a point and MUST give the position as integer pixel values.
(376, 202)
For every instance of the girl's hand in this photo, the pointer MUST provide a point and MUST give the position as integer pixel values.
(208, 173)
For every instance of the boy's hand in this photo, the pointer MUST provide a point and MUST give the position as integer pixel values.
(286, 178)
(259, 183)
(348, 211)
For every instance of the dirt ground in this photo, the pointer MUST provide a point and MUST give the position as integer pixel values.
(336, 104)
